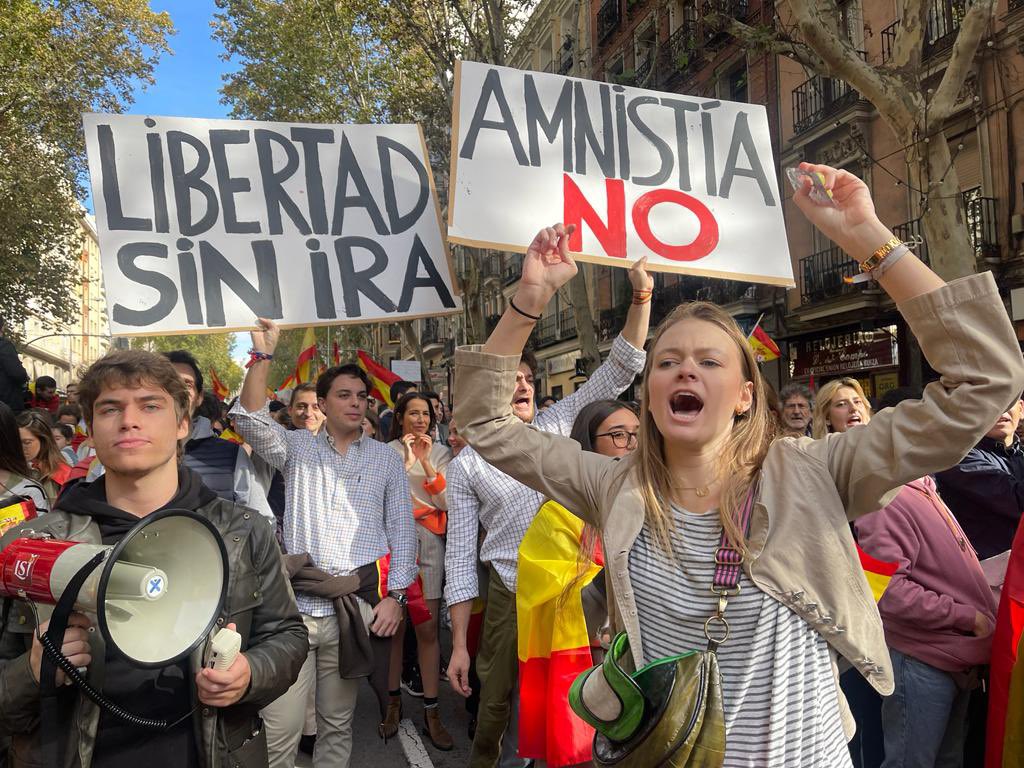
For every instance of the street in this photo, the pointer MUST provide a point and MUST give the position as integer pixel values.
(411, 748)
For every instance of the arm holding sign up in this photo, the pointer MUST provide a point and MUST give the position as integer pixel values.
(268, 438)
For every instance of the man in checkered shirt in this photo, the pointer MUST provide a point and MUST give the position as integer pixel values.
(347, 504)
(480, 495)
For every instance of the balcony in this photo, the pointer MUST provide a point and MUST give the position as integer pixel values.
(547, 331)
(821, 275)
(610, 321)
(722, 292)
(430, 332)
(819, 98)
(980, 214)
(733, 9)
(679, 55)
(394, 334)
(943, 25)
(490, 268)
(567, 324)
(609, 16)
(513, 269)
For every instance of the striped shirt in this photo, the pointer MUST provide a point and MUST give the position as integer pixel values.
(479, 494)
(345, 509)
(779, 694)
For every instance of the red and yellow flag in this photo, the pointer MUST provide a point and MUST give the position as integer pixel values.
(307, 366)
(878, 572)
(1004, 741)
(15, 511)
(220, 389)
(380, 377)
(764, 348)
(335, 354)
(231, 436)
(554, 644)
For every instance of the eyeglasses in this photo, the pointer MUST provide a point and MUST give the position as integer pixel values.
(620, 437)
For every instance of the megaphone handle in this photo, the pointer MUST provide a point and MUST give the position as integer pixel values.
(49, 705)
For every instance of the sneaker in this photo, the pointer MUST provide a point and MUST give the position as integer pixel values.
(412, 684)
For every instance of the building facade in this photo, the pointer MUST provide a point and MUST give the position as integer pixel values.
(61, 350)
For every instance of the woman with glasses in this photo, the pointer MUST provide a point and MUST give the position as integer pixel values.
(43, 457)
(709, 479)
(562, 594)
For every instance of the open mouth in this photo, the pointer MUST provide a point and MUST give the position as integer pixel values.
(521, 402)
(855, 419)
(686, 405)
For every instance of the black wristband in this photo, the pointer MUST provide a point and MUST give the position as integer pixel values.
(512, 304)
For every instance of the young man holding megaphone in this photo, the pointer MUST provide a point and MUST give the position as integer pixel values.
(155, 553)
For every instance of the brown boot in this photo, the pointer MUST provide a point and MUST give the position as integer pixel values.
(389, 728)
(436, 732)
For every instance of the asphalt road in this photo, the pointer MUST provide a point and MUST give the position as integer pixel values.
(368, 751)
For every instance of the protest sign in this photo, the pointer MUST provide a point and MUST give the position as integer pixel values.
(688, 182)
(206, 224)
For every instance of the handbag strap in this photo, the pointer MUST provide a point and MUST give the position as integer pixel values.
(728, 568)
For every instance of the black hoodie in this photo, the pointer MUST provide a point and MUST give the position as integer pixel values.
(156, 693)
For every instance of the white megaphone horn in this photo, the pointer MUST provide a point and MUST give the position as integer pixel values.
(156, 594)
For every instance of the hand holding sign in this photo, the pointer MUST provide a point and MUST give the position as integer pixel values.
(546, 268)
(639, 277)
(265, 340)
(851, 223)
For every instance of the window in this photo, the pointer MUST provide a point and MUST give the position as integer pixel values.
(556, 392)
(614, 69)
(733, 86)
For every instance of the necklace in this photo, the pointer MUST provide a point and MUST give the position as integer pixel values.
(701, 490)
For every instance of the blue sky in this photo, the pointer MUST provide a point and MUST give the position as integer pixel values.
(188, 81)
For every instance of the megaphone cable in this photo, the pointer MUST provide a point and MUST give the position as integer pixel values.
(69, 669)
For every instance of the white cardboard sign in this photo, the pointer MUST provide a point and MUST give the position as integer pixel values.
(206, 224)
(688, 182)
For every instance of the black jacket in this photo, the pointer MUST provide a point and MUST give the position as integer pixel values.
(986, 493)
(12, 377)
(258, 601)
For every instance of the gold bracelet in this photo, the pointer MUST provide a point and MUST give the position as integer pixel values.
(875, 259)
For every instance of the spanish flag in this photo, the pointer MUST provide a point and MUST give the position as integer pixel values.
(335, 354)
(764, 348)
(307, 367)
(878, 572)
(220, 389)
(380, 377)
(554, 644)
(1004, 741)
(15, 510)
(231, 436)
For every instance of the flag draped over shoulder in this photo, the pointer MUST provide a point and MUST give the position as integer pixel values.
(764, 348)
(1004, 742)
(554, 644)
(380, 377)
(878, 572)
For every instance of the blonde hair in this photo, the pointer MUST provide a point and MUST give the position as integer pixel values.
(823, 401)
(740, 456)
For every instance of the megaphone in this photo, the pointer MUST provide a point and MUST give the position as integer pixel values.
(157, 596)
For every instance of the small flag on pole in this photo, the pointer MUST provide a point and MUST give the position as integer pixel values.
(220, 389)
(764, 348)
(380, 377)
(335, 354)
(306, 368)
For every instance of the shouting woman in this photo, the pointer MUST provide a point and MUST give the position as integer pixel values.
(709, 484)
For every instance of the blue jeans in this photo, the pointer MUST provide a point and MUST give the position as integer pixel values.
(925, 719)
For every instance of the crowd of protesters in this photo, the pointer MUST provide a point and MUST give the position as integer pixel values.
(397, 520)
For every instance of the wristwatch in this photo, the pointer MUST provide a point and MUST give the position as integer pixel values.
(399, 597)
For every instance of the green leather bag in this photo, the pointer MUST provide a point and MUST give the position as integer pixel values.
(670, 711)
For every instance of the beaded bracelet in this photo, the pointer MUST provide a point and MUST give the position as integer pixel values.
(255, 357)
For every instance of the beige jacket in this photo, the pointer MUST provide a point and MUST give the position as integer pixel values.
(802, 551)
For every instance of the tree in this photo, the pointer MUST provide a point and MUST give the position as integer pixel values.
(211, 350)
(915, 114)
(58, 59)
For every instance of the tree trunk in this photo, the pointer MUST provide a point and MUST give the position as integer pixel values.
(586, 324)
(943, 223)
(472, 301)
(413, 340)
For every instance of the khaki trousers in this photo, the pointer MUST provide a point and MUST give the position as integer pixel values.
(497, 665)
(335, 704)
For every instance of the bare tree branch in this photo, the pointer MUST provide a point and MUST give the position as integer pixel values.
(972, 28)
(817, 27)
(478, 45)
(772, 42)
(906, 49)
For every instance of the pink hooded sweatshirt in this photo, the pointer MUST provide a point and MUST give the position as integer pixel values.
(929, 607)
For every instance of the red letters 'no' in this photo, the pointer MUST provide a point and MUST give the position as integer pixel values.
(612, 234)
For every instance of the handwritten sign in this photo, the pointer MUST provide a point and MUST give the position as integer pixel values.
(206, 224)
(688, 182)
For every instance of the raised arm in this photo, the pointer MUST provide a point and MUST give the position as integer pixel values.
(963, 331)
(252, 418)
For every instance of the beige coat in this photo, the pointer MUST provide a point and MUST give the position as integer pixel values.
(802, 551)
